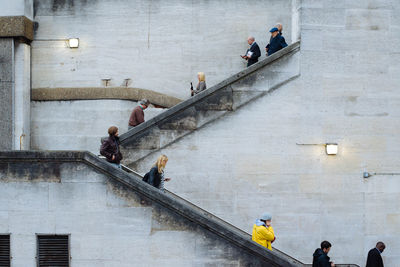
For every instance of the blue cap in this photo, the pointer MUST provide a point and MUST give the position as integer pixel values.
(274, 29)
(266, 217)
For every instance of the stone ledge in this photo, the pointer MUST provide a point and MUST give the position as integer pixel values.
(175, 204)
(206, 93)
(16, 26)
(92, 93)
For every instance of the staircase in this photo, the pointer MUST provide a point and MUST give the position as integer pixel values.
(211, 104)
(34, 166)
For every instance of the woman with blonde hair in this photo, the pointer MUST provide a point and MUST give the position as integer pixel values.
(155, 176)
(201, 85)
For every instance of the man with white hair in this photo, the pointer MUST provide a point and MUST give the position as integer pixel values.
(137, 115)
(253, 53)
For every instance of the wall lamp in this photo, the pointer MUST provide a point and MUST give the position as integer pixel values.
(369, 174)
(73, 42)
(330, 148)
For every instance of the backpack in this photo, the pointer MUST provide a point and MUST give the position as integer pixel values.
(146, 177)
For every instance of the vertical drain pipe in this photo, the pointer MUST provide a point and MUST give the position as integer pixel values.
(20, 141)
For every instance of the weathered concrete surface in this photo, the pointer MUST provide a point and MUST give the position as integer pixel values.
(348, 92)
(6, 92)
(79, 125)
(160, 45)
(92, 93)
(236, 91)
(101, 208)
(16, 26)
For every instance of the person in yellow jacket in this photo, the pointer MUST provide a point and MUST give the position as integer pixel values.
(263, 233)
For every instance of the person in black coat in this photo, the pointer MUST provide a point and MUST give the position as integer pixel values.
(110, 147)
(276, 43)
(374, 255)
(155, 176)
(320, 256)
(253, 53)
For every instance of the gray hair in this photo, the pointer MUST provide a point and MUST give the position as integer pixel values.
(145, 102)
(251, 38)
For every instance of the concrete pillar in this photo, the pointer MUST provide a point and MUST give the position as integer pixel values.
(6, 92)
(296, 5)
(22, 96)
(17, 8)
(16, 32)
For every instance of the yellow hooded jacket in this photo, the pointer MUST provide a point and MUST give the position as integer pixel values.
(263, 235)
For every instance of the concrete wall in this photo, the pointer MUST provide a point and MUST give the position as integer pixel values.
(160, 45)
(79, 125)
(107, 223)
(249, 161)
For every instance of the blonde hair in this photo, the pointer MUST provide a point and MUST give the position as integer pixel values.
(161, 162)
(202, 76)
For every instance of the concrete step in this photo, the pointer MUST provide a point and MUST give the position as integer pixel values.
(227, 96)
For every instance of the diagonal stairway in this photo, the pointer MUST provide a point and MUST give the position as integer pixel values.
(37, 165)
(47, 166)
(209, 105)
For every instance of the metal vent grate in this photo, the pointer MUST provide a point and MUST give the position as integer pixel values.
(53, 251)
(5, 250)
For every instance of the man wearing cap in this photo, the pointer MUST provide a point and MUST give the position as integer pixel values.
(276, 43)
(137, 115)
(280, 28)
(253, 53)
(263, 233)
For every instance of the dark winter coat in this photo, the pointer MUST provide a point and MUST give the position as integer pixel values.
(153, 177)
(276, 44)
(255, 49)
(320, 259)
(110, 147)
(374, 258)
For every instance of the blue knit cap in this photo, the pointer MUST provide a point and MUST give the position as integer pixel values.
(266, 217)
(274, 29)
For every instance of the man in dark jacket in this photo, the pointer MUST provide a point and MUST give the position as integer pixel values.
(276, 43)
(137, 115)
(374, 255)
(320, 256)
(253, 53)
(110, 147)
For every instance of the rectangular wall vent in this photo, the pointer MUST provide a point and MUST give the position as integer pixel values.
(5, 256)
(53, 250)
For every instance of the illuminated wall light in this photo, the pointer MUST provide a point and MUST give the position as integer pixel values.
(73, 42)
(331, 148)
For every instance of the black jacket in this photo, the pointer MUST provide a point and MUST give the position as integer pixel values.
(320, 259)
(276, 44)
(256, 54)
(153, 177)
(374, 258)
(110, 147)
